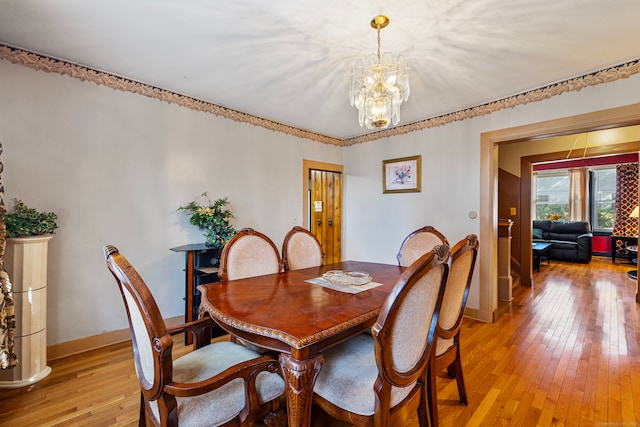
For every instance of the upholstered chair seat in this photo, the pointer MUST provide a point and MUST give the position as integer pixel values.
(442, 345)
(225, 403)
(348, 375)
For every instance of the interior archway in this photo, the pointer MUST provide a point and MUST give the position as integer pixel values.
(489, 144)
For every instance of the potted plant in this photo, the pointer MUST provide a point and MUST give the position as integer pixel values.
(212, 218)
(25, 221)
(25, 262)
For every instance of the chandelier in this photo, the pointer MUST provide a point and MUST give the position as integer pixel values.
(379, 85)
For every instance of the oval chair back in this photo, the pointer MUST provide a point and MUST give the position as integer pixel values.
(249, 253)
(418, 243)
(301, 249)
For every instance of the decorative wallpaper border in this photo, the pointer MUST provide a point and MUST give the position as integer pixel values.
(53, 65)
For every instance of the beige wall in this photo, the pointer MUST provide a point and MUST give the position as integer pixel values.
(115, 166)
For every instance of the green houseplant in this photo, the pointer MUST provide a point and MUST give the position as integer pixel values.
(25, 221)
(212, 218)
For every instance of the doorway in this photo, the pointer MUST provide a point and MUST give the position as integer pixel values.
(489, 144)
(526, 172)
(322, 187)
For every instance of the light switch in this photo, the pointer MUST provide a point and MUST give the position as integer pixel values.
(512, 211)
(317, 206)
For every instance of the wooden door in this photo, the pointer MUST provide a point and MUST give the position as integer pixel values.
(326, 212)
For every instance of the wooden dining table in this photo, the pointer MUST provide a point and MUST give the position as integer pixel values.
(287, 314)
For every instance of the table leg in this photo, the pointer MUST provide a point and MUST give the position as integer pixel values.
(299, 378)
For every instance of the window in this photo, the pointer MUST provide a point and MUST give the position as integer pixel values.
(552, 195)
(603, 198)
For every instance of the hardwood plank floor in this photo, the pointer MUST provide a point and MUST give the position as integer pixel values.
(562, 353)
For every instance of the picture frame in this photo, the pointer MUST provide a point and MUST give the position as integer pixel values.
(402, 175)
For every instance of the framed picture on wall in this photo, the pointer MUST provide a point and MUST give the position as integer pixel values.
(402, 175)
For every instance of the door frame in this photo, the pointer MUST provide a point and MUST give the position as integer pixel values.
(307, 166)
(628, 115)
(526, 171)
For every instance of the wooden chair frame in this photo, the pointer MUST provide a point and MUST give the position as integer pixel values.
(163, 388)
(416, 400)
(451, 359)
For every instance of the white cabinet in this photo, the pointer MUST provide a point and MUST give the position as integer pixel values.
(26, 263)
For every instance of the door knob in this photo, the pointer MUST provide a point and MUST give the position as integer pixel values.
(319, 222)
(330, 222)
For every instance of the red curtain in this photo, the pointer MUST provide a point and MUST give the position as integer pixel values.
(626, 199)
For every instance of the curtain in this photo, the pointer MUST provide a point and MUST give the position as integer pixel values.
(8, 358)
(579, 194)
(626, 201)
(534, 194)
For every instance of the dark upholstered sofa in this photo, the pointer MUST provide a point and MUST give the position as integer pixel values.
(570, 240)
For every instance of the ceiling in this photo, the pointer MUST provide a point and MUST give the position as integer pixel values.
(289, 61)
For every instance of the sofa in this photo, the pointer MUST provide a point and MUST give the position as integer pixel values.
(570, 240)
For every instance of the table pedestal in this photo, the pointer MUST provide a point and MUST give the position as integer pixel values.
(299, 378)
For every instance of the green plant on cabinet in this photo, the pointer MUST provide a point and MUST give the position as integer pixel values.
(25, 221)
(212, 218)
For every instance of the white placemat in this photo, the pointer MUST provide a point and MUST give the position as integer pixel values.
(350, 289)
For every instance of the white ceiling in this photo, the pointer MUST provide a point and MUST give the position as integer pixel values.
(289, 61)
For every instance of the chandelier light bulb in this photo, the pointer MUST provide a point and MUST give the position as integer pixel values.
(379, 85)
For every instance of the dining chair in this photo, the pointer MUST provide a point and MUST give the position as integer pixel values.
(248, 253)
(301, 249)
(418, 243)
(379, 379)
(446, 348)
(218, 383)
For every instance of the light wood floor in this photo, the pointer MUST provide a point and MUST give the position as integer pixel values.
(562, 353)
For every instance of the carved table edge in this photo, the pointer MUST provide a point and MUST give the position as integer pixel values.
(206, 307)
